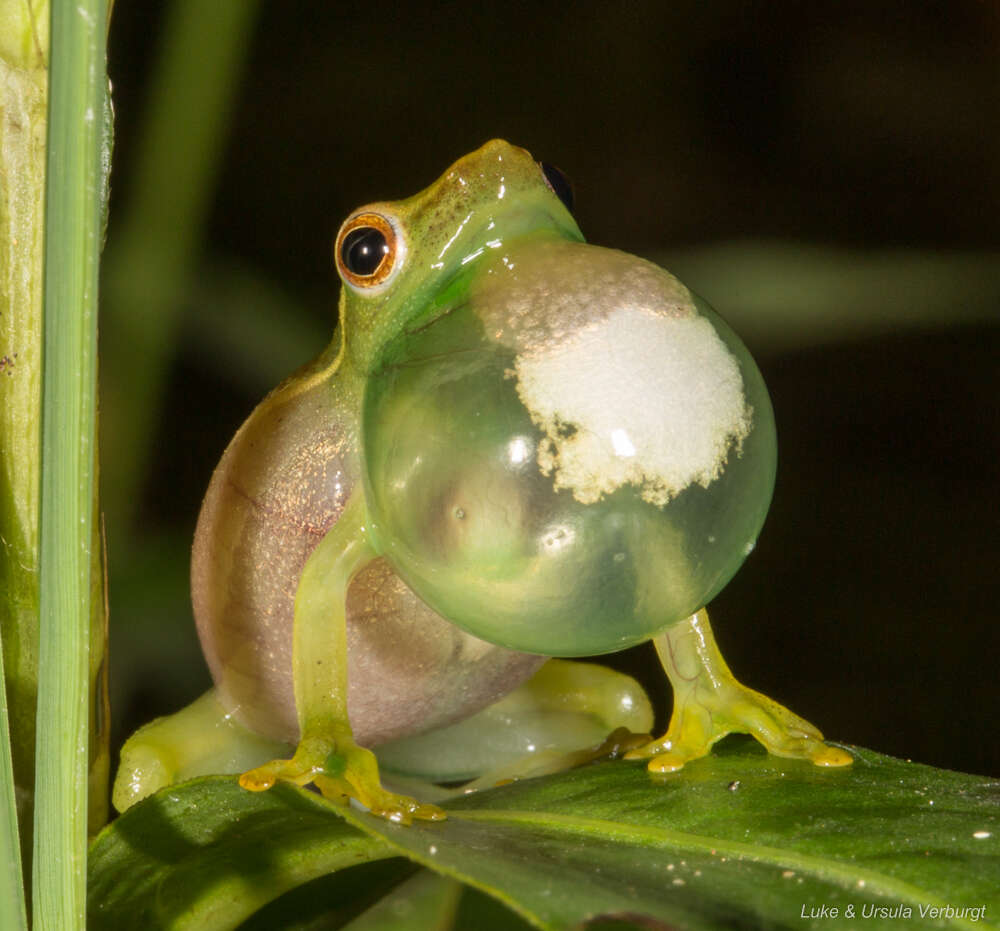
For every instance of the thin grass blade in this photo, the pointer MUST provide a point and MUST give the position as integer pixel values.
(75, 196)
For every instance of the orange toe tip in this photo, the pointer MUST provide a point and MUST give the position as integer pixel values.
(255, 783)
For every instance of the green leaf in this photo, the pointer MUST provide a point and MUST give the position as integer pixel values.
(334, 899)
(207, 854)
(427, 900)
(738, 839)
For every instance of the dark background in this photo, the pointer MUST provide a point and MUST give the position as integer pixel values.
(839, 164)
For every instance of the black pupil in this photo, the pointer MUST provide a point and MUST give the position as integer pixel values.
(559, 183)
(363, 250)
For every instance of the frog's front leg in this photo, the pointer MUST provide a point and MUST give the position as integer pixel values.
(327, 754)
(710, 703)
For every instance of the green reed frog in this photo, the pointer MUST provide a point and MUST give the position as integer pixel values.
(517, 446)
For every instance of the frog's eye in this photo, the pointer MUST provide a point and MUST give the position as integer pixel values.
(558, 183)
(368, 250)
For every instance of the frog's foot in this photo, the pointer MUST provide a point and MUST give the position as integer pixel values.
(614, 747)
(618, 745)
(704, 717)
(342, 771)
(710, 703)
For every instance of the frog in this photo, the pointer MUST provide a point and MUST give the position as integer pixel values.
(519, 449)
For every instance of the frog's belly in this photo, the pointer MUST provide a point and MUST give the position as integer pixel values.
(281, 484)
(409, 670)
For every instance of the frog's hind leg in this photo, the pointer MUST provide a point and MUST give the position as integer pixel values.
(199, 740)
(560, 718)
(710, 703)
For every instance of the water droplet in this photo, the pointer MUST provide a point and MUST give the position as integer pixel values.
(982, 835)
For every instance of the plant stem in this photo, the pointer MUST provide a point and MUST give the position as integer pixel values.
(13, 914)
(23, 94)
(75, 196)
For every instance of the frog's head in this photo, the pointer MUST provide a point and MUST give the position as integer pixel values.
(563, 450)
(405, 262)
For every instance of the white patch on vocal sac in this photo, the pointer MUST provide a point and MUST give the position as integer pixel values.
(636, 398)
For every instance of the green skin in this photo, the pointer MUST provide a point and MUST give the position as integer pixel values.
(322, 527)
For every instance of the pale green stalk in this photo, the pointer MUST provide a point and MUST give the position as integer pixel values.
(13, 915)
(24, 39)
(75, 195)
